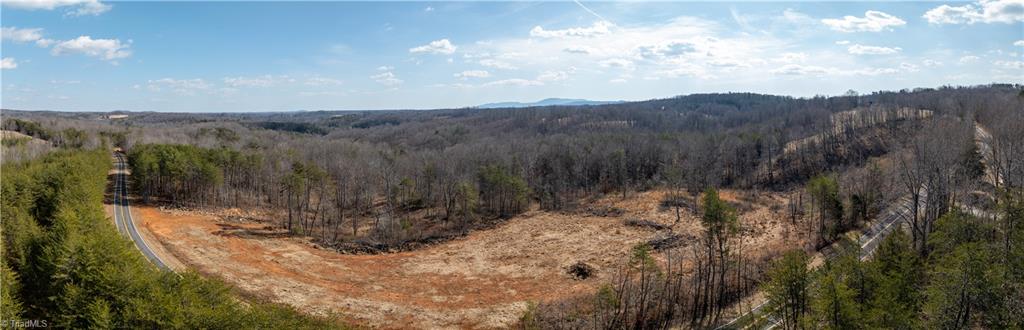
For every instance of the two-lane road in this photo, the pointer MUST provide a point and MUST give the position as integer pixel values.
(869, 240)
(123, 212)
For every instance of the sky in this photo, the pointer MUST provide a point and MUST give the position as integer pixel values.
(88, 55)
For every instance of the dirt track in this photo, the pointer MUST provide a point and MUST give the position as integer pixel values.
(481, 281)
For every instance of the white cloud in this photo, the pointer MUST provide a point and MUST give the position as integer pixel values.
(474, 55)
(322, 81)
(443, 46)
(651, 51)
(983, 11)
(320, 93)
(931, 63)
(553, 76)
(857, 49)
(514, 82)
(843, 42)
(909, 67)
(1017, 65)
(796, 18)
(792, 57)
(472, 74)
(182, 83)
(387, 78)
(428, 9)
(682, 70)
(685, 47)
(801, 70)
(454, 85)
(107, 49)
(673, 48)
(17, 35)
(812, 70)
(578, 50)
(616, 63)
(228, 91)
(8, 63)
(493, 63)
(872, 71)
(1019, 43)
(873, 21)
(259, 81)
(81, 7)
(385, 68)
(179, 86)
(969, 59)
(597, 29)
(20, 35)
(729, 63)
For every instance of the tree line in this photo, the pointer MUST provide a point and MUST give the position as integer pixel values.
(420, 176)
(388, 179)
(63, 261)
(968, 280)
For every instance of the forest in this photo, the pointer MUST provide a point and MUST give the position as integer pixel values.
(387, 181)
(65, 264)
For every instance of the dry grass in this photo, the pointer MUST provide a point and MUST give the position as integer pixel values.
(483, 280)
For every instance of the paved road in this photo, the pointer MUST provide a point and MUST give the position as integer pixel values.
(872, 236)
(869, 240)
(123, 213)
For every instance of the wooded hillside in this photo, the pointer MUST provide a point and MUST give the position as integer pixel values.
(64, 262)
(384, 181)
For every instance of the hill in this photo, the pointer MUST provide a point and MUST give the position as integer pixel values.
(544, 103)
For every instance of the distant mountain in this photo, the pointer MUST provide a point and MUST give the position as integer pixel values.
(544, 102)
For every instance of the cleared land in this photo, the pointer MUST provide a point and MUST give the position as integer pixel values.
(483, 280)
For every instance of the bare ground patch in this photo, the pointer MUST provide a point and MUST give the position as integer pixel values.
(483, 280)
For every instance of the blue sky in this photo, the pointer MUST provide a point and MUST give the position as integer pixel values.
(274, 56)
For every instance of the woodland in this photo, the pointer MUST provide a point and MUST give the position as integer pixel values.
(398, 180)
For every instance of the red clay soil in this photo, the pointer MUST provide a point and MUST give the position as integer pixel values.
(483, 280)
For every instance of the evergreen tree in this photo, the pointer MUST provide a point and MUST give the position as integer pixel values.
(897, 276)
(966, 290)
(833, 303)
(825, 191)
(786, 287)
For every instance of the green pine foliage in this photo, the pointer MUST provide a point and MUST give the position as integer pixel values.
(719, 219)
(825, 191)
(896, 274)
(503, 193)
(27, 127)
(787, 285)
(970, 279)
(833, 304)
(10, 305)
(63, 260)
(186, 174)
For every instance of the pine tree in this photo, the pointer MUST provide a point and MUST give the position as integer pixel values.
(833, 304)
(787, 288)
(897, 274)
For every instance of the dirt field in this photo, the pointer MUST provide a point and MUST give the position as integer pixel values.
(483, 280)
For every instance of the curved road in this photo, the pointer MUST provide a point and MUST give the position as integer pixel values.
(123, 212)
(870, 237)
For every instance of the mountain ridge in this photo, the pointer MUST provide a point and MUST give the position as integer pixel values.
(545, 102)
